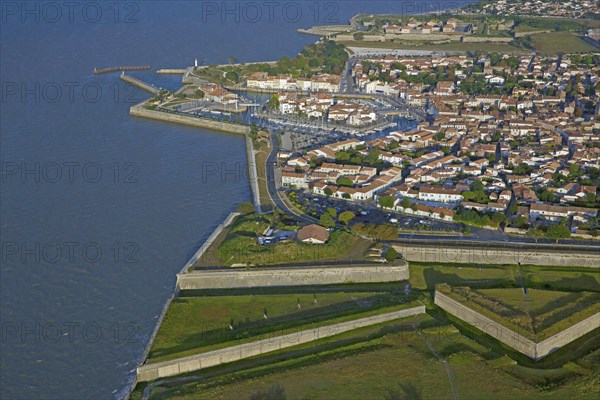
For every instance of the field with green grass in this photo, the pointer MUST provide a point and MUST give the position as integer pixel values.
(424, 276)
(237, 244)
(394, 363)
(241, 247)
(537, 314)
(450, 47)
(556, 42)
(197, 324)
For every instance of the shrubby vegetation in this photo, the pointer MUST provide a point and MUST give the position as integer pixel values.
(382, 232)
(472, 217)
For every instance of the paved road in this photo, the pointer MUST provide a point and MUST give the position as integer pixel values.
(272, 180)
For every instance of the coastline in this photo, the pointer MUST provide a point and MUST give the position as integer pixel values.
(195, 257)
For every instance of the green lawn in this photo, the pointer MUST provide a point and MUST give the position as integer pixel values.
(395, 364)
(261, 170)
(454, 46)
(196, 324)
(534, 301)
(555, 42)
(425, 276)
(536, 315)
(254, 224)
(243, 248)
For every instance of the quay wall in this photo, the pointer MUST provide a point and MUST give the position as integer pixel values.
(175, 71)
(141, 84)
(140, 111)
(153, 371)
(511, 338)
(191, 262)
(292, 276)
(491, 255)
(208, 242)
(252, 175)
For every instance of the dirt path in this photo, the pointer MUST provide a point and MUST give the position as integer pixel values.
(446, 365)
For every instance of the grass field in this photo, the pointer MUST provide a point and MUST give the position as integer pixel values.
(196, 324)
(424, 276)
(452, 47)
(555, 42)
(243, 248)
(237, 244)
(536, 315)
(376, 363)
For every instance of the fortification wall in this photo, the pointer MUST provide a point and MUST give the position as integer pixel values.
(317, 275)
(491, 255)
(513, 339)
(153, 371)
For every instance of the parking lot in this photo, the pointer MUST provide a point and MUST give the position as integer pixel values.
(368, 213)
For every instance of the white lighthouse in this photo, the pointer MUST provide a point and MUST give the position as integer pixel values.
(195, 62)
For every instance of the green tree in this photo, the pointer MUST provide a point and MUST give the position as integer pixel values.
(373, 156)
(345, 217)
(331, 211)
(326, 220)
(405, 203)
(391, 254)
(558, 231)
(274, 101)
(232, 76)
(342, 156)
(342, 181)
(328, 192)
(535, 233)
(521, 222)
(387, 201)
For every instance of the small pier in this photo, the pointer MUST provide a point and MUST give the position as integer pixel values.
(122, 68)
(174, 71)
(141, 84)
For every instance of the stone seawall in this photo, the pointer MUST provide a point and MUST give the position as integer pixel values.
(140, 111)
(491, 255)
(153, 371)
(208, 242)
(513, 339)
(139, 83)
(292, 276)
(174, 71)
(252, 175)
